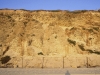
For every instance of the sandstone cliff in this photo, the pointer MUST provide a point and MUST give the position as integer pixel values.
(49, 33)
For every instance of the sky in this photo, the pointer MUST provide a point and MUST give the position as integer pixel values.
(51, 4)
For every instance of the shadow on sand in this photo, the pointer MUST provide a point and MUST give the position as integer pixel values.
(67, 73)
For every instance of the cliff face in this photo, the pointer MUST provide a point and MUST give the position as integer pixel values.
(49, 33)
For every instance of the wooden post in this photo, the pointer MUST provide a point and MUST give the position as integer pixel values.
(42, 63)
(22, 61)
(87, 61)
(63, 62)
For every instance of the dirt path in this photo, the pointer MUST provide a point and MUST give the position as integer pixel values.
(69, 71)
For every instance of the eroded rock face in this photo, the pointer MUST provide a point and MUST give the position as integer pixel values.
(49, 33)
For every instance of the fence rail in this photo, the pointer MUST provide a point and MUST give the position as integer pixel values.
(54, 62)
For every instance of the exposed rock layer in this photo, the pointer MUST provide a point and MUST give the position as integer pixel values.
(49, 33)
